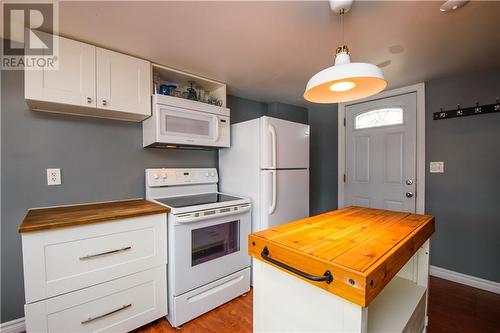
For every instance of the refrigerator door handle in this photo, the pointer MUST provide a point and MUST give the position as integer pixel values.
(272, 130)
(272, 207)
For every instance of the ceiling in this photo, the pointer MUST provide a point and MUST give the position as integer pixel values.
(267, 51)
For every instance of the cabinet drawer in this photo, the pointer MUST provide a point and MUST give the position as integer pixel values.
(117, 306)
(198, 301)
(63, 260)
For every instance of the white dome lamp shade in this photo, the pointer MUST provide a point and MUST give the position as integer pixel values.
(345, 80)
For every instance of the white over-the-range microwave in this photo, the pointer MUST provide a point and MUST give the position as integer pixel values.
(179, 123)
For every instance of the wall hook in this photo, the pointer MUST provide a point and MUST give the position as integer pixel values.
(478, 108)
(469, 111)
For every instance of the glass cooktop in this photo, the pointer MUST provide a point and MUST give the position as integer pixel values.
(197, 199)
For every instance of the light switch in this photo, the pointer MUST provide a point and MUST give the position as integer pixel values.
(437, 167)
(53, 176)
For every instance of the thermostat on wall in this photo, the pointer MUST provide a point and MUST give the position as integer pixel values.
(437, 167)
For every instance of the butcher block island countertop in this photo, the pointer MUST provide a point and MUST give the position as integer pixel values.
(68, 216)
(361, 248)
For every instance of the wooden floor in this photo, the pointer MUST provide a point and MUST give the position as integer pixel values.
(453, 308)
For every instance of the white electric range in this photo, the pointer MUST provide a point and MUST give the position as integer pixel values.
(208, 262)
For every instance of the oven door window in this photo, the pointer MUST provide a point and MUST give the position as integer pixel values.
(214, 242)
(186, 123)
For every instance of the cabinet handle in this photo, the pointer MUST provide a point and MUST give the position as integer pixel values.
(89, 99)
(104, 102)
(327, 276)
(123, 307)
(90, 256)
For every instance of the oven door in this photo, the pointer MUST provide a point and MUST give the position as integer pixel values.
(182, 126)
(208, 249)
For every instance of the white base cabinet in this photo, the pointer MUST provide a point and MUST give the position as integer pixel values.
(102, 277)
(119, 305)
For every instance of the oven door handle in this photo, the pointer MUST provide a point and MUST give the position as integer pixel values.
(189, 218)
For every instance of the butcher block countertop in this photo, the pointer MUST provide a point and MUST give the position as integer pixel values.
(362, 248)
(68, 216)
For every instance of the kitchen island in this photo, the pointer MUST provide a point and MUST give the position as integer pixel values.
(350, 270)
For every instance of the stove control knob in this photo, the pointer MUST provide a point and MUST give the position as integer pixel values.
(155, 176)
(206, 174)
(164, 175)
(212, 174)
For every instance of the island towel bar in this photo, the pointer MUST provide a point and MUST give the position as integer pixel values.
(327, 276)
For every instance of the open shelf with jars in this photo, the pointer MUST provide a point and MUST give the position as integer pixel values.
(175, 83)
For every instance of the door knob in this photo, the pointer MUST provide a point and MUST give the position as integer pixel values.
(409, 182)
(409, 194)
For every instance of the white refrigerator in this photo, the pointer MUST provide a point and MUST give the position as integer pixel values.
(268, 162)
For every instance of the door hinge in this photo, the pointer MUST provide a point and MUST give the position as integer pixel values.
(344, 121)
(344, 177)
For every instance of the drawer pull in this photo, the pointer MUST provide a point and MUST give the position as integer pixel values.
(327, 276)
(90, 256)
(123, 307)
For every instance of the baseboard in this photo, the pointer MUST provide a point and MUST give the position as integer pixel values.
(13, 326)
(468, 280)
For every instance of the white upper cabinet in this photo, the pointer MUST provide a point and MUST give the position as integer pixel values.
(123, 82)
(73, 83)
(91, 81)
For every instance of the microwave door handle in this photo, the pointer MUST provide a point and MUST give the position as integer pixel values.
(217, 129)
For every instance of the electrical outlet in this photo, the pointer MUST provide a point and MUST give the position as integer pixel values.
(53, 176)
(436, 167)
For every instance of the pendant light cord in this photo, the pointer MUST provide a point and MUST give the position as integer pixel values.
(343, 46)
(342, 12)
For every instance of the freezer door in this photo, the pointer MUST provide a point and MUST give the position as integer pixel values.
(284, 144)
(284, 197)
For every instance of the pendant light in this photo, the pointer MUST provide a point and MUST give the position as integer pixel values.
(345, 80)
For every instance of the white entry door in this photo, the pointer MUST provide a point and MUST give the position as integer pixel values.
(381, 153)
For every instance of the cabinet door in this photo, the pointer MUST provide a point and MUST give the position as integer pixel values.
(73, 83)
(123, 83)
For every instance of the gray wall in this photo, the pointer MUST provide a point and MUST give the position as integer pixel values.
(465, 198)
(323, 158)
(244, 109)
(100, 160)
(289, 112)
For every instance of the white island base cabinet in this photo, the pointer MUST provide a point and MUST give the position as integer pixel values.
(285, 303)
(114, 306)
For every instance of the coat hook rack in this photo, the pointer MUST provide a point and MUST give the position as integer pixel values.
(470, 111)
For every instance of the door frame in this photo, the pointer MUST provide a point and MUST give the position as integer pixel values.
(419, 89)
